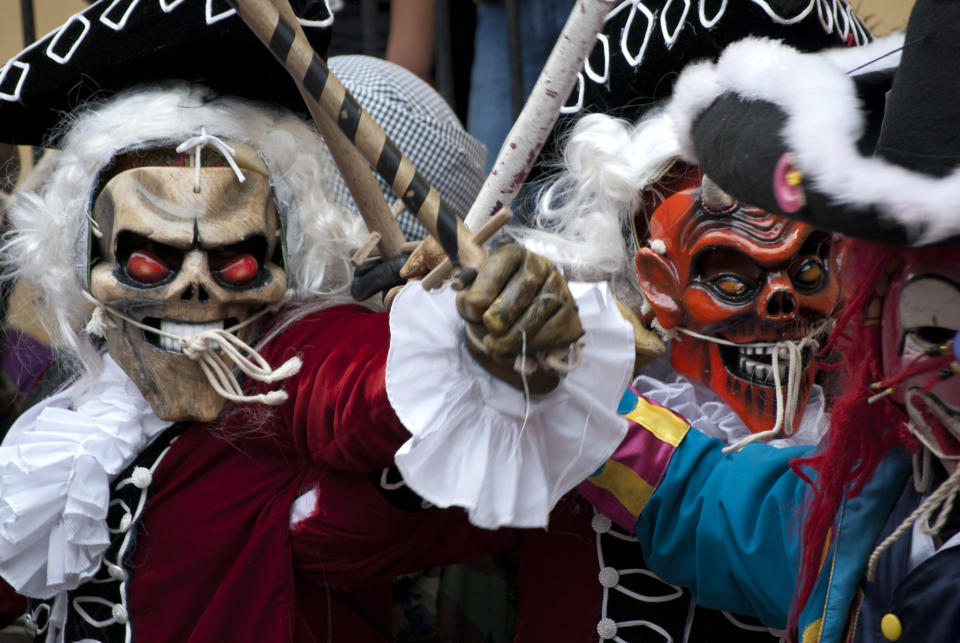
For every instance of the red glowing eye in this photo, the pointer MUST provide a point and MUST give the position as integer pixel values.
(239, 270)
(146, 267)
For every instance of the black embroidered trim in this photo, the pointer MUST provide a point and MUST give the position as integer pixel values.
(104, 597)
(392, 487)
(667, 606)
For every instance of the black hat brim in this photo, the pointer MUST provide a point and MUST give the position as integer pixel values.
(116, 44)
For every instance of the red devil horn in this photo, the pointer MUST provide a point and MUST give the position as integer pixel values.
(714, 199)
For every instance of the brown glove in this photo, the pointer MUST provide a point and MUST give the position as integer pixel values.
(519, 304)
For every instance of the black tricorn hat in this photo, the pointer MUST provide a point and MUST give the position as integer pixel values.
(645, 44)
(865, 141)
(115, 44)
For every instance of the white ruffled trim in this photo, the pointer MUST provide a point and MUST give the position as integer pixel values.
(467, 447)
(710, 414)
(56, 465)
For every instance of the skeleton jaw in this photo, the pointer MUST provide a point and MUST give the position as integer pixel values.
(184, 329)
(754, 364)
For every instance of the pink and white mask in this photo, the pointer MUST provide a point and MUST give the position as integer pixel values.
(921, 317)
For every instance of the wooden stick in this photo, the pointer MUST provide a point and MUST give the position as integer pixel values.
(523, 143)
(364, 251)
(526, 137)
(436, 276)
(276, 26)
(351, 164)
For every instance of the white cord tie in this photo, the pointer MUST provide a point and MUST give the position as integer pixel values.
(786, 405)
(201, 140)
(206, 348)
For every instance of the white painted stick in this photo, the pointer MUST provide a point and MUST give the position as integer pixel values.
(523, 143)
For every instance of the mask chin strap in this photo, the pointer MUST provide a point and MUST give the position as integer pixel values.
(202, 348)
(792, 349)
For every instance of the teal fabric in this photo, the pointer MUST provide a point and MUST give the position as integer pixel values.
(728, 528)
(628, 402)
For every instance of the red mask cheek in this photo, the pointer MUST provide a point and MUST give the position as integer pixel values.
(825, 302)
(703, 310)
(692, 357)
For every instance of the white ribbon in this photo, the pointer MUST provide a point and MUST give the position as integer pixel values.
(200, 141)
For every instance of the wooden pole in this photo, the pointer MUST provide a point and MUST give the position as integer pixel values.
(328, 100)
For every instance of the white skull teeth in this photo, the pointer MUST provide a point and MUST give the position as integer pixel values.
(185, 330)
(755, 363)
(759, 365)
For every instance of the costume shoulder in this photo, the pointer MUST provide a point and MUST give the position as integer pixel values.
(337, 410)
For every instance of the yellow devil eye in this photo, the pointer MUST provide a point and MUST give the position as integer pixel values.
(809, 274)
(731, 286)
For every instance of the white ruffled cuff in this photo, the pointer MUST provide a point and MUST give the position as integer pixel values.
(477, 443)
(56, 464)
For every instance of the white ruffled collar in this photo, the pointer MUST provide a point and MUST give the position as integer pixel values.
(56, 465)
(710, 414)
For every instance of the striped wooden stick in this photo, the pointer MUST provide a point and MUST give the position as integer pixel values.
(276, 25)
(355, 172)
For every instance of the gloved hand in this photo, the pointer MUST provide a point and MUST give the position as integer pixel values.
(519, 304)
(377, 275)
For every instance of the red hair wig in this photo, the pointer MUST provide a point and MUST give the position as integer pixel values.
(861, 433)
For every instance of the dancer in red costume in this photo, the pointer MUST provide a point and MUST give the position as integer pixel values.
(225, 469)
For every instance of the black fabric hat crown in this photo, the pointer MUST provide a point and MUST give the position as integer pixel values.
(115, 44)
(866, 142)
(645, 44)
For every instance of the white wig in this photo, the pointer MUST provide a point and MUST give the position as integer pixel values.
(47, 241)
(583, 219)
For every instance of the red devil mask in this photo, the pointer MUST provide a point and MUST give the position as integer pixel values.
(743, 276)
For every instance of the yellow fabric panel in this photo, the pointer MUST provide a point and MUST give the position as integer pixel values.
(811, 633)
(630, 490)
(662, 423)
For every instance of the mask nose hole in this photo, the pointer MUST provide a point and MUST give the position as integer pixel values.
(782, 305)
(201, 294)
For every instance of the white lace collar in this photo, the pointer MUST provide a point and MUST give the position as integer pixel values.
(709, 413)
(56, 465)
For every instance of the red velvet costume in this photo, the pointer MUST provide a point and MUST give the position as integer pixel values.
(216, 559)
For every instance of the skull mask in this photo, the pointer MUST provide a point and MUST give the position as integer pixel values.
(741, 275)
(183, 253)
(921, 313)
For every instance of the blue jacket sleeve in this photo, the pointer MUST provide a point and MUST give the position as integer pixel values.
(727, 526)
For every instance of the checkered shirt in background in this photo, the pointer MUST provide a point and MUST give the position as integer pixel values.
(422, 125)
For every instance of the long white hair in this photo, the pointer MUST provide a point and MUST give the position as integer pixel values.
(46, 243)
(583, 218)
